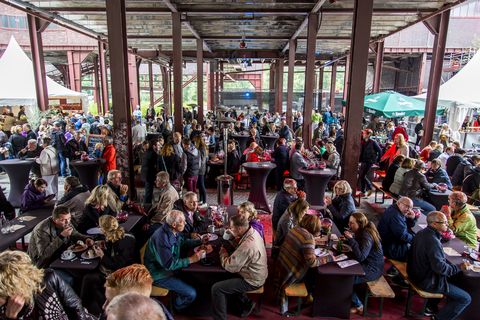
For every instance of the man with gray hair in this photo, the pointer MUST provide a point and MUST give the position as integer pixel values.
(429, 269)
(168, 196)
(193, 220)
(134, 306)
(32, 150)
(163, 258)
(74, 198)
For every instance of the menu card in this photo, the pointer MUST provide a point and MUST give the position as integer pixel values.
(347, 263)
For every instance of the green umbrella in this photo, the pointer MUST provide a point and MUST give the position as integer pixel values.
(391, 104)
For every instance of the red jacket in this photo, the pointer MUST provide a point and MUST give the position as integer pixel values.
(109, 154)
(402, 131)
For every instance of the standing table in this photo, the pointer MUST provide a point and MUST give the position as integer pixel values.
(315, 184)
(269, 141)
(437, 198)
(88, 171)
(258, 173)
(242, 140)
(18, 171)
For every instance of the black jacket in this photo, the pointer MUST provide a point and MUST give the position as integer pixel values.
(170, 164)
(459, 173)
(58, 141)
(434, 154)
(280, 154)
(414, 184)
(192, 161)
(281, 203)
(18, 142)
(233, 162)
(452, 163)
(390, 176)
(370, 152)
(119, 254)
(91, 216)
(56, 301)
(438, 176)
(427, 266)
(75, 146)
(341, 208)
(471, 182)
(149, 165)
(370, 257)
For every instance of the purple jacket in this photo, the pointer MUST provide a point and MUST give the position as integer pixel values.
(31, 198)
(257, 225)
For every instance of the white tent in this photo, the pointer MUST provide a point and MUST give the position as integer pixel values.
(17, 84)
(461, 93)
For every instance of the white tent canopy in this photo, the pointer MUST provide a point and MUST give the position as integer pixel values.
(461, 93)
(17, 84)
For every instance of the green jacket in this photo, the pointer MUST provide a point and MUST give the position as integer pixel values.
(163, 255)
(464, 225)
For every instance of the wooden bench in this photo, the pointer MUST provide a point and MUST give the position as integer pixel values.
(412, 288)
(298, 290)
(378, 289)
(156, 291)
(379, 188)
(258, 291)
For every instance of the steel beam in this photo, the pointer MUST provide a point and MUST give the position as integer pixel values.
(291, 75)
(333, 84)
(279, 85)
(75, 59)
(421, 76)
(211, 85)
(309, 78)
(133, 81)
(320, 89)
(377, 79)
(271, 89)
(232, 38)
(150, 83)
(122, 116)
(362, 22)
(177, 71)
(96, 83)
(200, 80)
(103, 76)
(166, 90)
(346, 79)
(38, 62)
(304, 23)
(441, 27)
(217, 85)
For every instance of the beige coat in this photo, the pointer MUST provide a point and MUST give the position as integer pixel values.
(249, 260)
(165, 204)
(48, 161)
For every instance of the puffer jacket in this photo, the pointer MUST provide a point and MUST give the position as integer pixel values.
(398, 180)
(57, 301)
(191, 161)
(414, 184)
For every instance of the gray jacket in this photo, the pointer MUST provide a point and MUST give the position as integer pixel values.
(46, 242)
(297, 162)
(414, 184)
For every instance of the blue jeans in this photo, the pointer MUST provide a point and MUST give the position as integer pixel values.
(425, 207)
(185, 293)
(457, 301)
(355, 299)
(63, 163)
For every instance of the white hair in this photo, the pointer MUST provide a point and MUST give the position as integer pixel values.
(134, 306)
(174, 216)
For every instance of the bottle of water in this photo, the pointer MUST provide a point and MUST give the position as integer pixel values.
(4, 227)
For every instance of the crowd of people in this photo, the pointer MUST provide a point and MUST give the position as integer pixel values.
(173, 167)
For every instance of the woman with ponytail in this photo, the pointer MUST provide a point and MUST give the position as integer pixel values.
(366, 245)
(116, 252)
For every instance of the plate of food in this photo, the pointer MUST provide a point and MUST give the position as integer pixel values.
(474, 256)
(202, 247)
(93, 231)
(321, 252)
(78, 247)
(210, 236)
(345, 247)
(89, 255)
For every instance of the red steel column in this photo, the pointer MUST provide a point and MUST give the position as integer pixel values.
(346, 80)
(122, 116)
(221, 76)
(200, 80)
(166, 90)
(96, 85)
(333, 83)
(150, 84)
(292, 47)
(320, 88)
(362, 22)
(309, 78)
(279, 85)
(38, 61)
(441, 27)
(377, 79)
(75, 59)
(211, 85)
(421, 75)
(133, 78)
(177, 71)
(103, 76)
(271, 86)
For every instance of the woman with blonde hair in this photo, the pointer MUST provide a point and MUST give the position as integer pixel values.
(407, 165)
(29, 293)
(342, 205)
(248, 210)
(116, 252)
(401, 147)
(366, 245)
(95, 207)
(199, 143)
